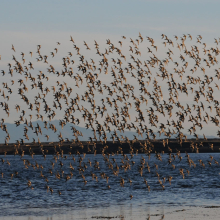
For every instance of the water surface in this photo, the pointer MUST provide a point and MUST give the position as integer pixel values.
(80, 200)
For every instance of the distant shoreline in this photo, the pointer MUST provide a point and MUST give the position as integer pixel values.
(139, 146)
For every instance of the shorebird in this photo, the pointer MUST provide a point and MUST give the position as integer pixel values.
(111, 93)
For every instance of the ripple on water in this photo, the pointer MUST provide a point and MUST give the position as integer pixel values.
(17, 199)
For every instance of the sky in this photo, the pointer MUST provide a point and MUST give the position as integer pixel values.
(26, 24)
(98, 18)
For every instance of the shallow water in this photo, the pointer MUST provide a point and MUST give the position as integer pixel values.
(94, 199)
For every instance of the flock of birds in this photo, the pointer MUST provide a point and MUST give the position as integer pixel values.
(114, 92)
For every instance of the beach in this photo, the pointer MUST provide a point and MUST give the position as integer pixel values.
(129, 213)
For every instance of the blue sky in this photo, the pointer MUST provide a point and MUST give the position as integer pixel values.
(111, 17)
(30, 23)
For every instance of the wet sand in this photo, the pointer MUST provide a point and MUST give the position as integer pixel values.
(130, 213)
